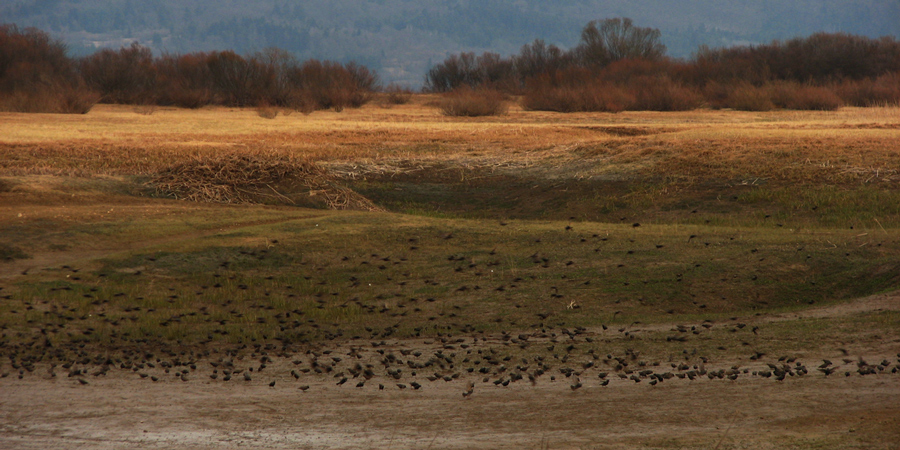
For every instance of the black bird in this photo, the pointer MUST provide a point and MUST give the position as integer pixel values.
(304, 388)
(272, 384)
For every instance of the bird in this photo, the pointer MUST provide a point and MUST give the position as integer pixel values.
(272, 384)
(304, 388)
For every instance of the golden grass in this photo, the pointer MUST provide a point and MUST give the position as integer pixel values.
(851, 145)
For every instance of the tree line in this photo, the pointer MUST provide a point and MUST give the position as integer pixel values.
(618, 66)
(615, 66)
(36, 75)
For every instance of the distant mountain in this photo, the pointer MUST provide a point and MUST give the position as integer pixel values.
(403, 38)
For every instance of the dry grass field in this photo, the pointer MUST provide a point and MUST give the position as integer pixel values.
(391, 278)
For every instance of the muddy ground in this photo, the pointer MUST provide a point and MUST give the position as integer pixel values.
(122, 410)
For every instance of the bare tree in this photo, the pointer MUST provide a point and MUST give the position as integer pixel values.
(609, 40)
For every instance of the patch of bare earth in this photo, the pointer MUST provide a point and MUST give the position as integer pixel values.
(122, 410)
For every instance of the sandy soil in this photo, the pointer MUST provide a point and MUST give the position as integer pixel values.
(118, 412)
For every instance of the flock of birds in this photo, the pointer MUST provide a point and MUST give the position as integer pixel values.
(299, 347)
(566, 357)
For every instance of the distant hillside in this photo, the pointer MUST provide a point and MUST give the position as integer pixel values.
(402, 39)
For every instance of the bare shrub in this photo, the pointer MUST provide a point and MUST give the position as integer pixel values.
(747, 97)
(191, 98)
(57, 99)
(266, 111)
(302, 101)
(595, 98)
(145, 110)
(395, 95)
(884, 90)
(466, 102)
(798, 96)
(663, 94)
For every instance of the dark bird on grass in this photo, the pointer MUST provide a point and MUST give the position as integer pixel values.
(83, 381)
(343, 380)
(272, 384)
(154, 378)
(415, 385)
(304, 388)
(247, 376)
(577, 385)
(401, 385)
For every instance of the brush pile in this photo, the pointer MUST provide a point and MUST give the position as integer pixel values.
(241, 178)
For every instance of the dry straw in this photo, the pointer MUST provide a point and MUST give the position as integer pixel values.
(237, 178)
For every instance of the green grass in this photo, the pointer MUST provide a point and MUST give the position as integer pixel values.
(341, 275)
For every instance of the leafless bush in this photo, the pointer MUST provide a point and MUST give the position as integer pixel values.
(266, 111)
(799, 96)
(585, 98)
(395, 95)
(145, 110)
(466, 102)
(747, 97)
(884, 90)
(663, 94)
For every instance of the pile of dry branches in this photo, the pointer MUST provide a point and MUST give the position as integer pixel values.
(241, 178)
